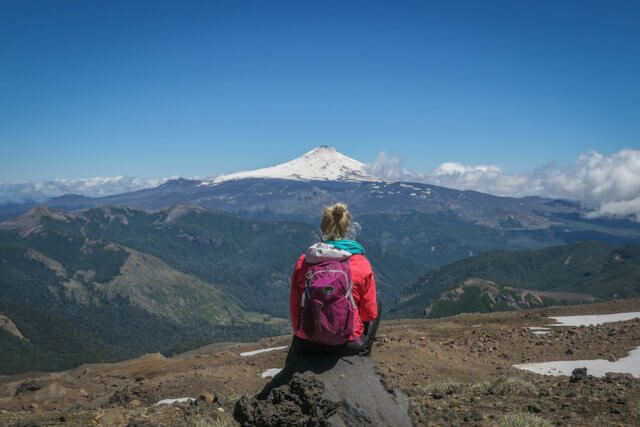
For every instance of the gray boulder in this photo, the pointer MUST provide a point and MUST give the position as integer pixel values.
(323, 390)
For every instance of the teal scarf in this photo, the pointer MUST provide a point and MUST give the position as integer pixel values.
(347, 245)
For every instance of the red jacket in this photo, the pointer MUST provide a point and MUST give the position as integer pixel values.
(364, 293)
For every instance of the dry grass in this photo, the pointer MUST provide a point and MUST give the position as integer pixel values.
(522, 419)
(444, 387)
(224, 421)
(635, 409)
(452, 387)
(480, 388)
(512, 386)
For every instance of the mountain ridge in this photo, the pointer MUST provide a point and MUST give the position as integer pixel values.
(299, 188)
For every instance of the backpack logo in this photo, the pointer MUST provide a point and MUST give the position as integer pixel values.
(328, 308)
(328, 290)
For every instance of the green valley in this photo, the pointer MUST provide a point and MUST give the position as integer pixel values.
(111, 283)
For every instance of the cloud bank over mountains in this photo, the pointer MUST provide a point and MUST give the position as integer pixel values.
(95, 187)
(607, 184)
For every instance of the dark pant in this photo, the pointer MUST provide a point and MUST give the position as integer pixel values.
(361, 346)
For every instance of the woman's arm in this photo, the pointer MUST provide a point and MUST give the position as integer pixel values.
(295, 295)
(368, 300)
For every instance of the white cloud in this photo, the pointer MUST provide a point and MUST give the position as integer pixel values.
(622, 208)
(609, 185)
(97, 186)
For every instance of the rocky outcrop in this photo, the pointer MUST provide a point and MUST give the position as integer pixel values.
(479, 295)
(324, 390)
(7, 325)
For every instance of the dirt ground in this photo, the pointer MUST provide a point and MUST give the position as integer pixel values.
(456, 371)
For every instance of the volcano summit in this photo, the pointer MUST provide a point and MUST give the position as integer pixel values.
(323, 163)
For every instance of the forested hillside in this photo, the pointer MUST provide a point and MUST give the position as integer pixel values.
(109, 283)
(589, 268)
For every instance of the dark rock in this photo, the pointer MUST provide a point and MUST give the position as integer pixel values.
(617, 400)
(27, 386)
(120, 398)
(124, 397)
(300, 402)
(611, 377)
(437, 395)
(324, 390)
(578, 374)
(534, 408)
(198, 407)
(134, 422)
(474, 416)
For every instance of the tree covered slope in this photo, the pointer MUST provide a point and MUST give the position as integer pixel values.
(118, 282)
(588, 268)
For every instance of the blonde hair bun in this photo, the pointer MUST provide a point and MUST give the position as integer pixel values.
(335, 222)
(338, 210)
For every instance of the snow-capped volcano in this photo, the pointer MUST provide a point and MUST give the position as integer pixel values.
(323, 163)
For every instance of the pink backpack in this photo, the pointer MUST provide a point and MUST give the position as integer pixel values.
(328, 307)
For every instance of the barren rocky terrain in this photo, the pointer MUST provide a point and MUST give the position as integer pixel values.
(456, 370)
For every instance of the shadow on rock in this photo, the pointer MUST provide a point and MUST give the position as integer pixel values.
(333, 391)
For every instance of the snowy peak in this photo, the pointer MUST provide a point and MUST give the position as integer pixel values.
(323, 163)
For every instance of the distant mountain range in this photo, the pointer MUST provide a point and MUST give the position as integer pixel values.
(300, 187)
(297, 190)
(194, 261)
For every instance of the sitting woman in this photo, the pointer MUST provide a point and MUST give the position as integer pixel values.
(333, 301)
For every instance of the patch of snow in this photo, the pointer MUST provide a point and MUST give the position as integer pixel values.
(597, 367)
(595, 319)
(271, 372)
(262, 350)
(541, 332)
(539, 328)
(323, 163)
(176, 400)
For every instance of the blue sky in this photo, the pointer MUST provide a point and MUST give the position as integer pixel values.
(155, 89)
